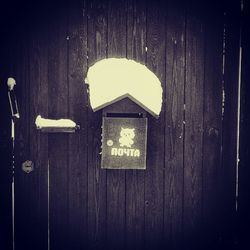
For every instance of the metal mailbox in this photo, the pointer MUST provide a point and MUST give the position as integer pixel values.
(124, 143)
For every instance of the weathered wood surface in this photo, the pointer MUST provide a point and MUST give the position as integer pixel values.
(154, 176)
(212, 126)
(229, 140)
(58, 100)
(38, 142)
(244, 171)
(5, 151)
(78, 165)
(97, 180)
(191, 153)
(174, 124)
(32, 216)
(194, 87)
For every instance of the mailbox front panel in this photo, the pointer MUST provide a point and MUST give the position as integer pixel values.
(124, 143)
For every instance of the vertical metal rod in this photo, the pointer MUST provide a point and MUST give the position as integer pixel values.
(15, 115)
(13, 182)
(238, 116)
(48, 208)
(238, 131)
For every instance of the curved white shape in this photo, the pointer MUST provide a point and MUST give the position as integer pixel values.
(116, 78)
(61, 123)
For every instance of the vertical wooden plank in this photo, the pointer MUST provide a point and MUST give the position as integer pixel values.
(135, 179)
(31, 197)
(5, 135)
(38, 52)
(229, 143)
(154, 175)
(24, 214)
(244, 172)
(175, 78)
(58, 143)
(212, 135)
(31, 189)
(5, 145)
(116, 178)
(6, 175)
(77, 173)
(194, 85)
(97, 196)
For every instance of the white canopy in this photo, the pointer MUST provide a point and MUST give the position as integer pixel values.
(113, 79)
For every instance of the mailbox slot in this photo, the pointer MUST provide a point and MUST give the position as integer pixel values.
(128, 115)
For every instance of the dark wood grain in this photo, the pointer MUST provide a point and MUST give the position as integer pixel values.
(175, 73)
(194, 87)
(244, 171)
(97, 184)
(58, 143)
(212, 201)
(154, 175)
(5, 150)
(229, 143)
(78, 168)
(38, 64)
(24, 215)
(117, 30)
(135, 180)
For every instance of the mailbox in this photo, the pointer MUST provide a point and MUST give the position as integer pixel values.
(125, 91)
(124, 136)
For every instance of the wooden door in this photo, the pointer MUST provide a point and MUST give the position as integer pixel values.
(186, 195)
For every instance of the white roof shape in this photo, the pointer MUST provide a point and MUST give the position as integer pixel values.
(113, 79)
